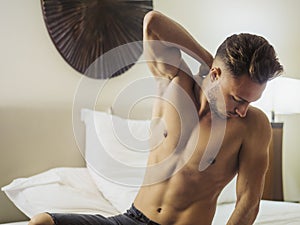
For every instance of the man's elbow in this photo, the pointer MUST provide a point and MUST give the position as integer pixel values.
(151, 20)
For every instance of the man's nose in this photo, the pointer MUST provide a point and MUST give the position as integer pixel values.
(241, 110)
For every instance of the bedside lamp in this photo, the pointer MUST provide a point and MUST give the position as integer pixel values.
(279, 98)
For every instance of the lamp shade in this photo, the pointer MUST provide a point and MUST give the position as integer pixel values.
(280, 96)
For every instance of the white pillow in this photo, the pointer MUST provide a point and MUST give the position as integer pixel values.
(116, 154)
(62, 190)
(228, 194)
(118, 170)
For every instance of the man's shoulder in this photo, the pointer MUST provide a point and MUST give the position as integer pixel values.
(257, 121)
(256, 132)
(256, 115)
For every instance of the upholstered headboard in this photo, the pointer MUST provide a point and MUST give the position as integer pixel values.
(36, 139)
(33, 140)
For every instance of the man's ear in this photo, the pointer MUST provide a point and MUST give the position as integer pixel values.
(215, 73)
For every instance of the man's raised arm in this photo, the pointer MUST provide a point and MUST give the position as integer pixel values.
(163, 40)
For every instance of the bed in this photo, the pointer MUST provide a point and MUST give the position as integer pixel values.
(109, 192)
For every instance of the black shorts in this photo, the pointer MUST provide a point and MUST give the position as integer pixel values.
(132, 217)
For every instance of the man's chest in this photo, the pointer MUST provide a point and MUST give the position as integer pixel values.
(207, 144)
(214, 152)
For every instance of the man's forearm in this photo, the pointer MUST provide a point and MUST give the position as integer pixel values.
(244, 214)
(174, 34)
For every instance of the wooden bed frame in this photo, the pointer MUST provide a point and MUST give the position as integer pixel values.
(273, 189)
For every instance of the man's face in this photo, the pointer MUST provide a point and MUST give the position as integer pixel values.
(230, 96)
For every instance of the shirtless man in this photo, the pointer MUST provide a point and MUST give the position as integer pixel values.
(199, 154)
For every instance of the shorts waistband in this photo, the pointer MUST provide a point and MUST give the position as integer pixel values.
(138, 215)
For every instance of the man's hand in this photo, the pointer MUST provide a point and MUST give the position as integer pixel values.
(203, 70)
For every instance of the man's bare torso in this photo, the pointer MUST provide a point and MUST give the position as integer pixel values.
(195, 151)
(176, 191)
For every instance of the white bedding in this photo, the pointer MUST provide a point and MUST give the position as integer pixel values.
(77, 182)
(271, 213)
(81, 190)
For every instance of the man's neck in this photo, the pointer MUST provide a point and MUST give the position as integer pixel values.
(201, 99)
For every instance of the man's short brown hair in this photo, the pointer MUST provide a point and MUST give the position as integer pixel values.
(250, 54)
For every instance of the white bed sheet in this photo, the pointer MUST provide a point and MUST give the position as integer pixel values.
(270, 213)
(284, 213)
(16, 223)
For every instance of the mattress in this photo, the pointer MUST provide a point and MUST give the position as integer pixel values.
(271, 212)
(73, 190)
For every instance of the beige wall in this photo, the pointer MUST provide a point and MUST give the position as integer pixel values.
(37, 87)
(33, 140)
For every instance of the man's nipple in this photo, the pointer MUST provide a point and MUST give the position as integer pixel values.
(212, 161)
(165, 133)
